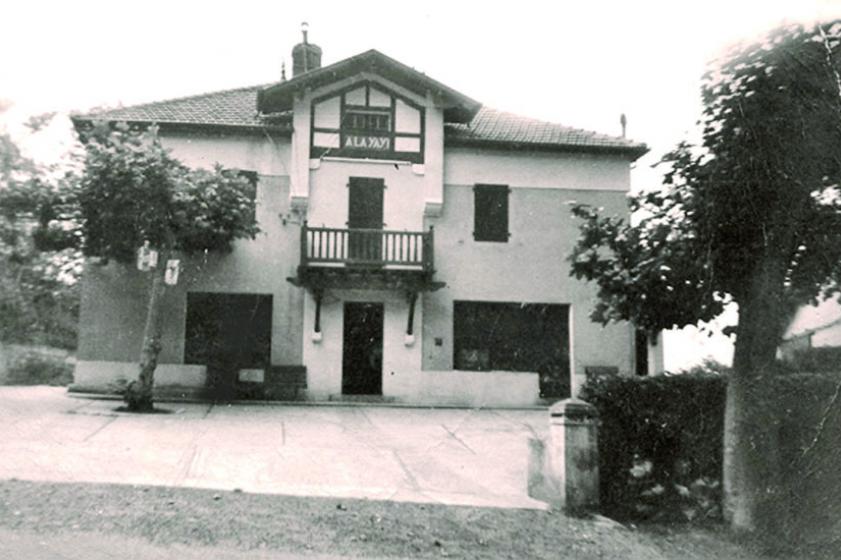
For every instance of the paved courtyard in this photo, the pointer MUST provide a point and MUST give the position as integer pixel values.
(449, 456)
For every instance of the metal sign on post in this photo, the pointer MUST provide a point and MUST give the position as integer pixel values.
(173, 267)
(147, 258)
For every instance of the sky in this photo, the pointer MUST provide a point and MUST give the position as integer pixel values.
(578, 63)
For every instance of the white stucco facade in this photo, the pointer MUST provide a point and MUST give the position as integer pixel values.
(431, 189)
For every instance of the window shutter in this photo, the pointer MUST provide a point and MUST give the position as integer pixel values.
(490, 220)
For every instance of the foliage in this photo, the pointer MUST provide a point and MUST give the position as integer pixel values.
(763, 183)
(806, 487)
(39, 263)
(39, 369)
(823, 359)
(133, 191)
(753, 216)
(39, 299)
(660, 448)
(659, 445)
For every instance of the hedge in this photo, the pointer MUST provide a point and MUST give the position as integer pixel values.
(660, 444)
(808, 427)
(821, 359)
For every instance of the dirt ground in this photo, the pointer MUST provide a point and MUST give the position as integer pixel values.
(157, 522)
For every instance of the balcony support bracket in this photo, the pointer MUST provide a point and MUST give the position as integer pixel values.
(317, 293)
(412, 296)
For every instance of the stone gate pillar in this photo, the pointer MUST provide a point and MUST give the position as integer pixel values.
(573, 458)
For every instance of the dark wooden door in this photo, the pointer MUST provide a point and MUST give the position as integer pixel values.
(362, 359)
(226, 333)
(365, 211)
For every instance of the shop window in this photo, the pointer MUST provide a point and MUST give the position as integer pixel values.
(532, 337)
(490, 207)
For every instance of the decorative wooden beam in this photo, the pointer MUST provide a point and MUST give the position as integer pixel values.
(317, 294)
(413, 297)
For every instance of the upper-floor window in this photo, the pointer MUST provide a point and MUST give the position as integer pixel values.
(490, 213)
(367, 121)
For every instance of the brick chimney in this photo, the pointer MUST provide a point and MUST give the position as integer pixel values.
(306, 56)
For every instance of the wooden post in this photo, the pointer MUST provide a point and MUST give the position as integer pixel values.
(413, 298)
(317, 294)
(429, 250)
(304, 235)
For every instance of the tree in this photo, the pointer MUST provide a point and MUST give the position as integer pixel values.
(752, 215)
(132, 193)
(39, 260)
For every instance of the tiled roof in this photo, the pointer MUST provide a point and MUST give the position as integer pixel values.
(229, 108)
(237, 108)
(491, 126)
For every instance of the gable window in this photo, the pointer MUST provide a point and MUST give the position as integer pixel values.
(490, 213)
(374, 121)
(367, 121)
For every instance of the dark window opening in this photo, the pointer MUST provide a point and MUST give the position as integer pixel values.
(641, 351)
(234, 329)
(531, 337)
(490, 219)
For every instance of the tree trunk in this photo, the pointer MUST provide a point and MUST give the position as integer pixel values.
(750, 447)
(138, 395)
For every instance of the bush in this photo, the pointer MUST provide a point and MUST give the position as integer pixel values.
(820, 360)
(39, 369)
(660, 445)
(807, 410)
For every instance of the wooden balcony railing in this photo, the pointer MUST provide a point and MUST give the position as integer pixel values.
(367, 247)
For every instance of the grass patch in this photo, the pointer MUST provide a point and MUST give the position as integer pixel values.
(358, 528)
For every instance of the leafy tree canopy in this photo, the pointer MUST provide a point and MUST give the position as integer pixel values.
(133, 191)
(758, 199)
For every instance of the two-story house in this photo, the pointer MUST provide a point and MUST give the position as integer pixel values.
(413, 247)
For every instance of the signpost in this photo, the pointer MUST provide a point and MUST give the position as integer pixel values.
(147, 258)
(173, 267)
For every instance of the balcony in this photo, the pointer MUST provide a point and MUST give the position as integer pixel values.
(366, 259)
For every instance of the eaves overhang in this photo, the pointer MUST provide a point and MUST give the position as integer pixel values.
(83, 123)
(633, 152)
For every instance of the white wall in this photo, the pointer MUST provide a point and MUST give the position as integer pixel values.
(467, 166)
(403, 198)
(266, 154)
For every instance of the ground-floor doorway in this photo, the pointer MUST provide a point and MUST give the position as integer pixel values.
(362, 355)
(228, 333)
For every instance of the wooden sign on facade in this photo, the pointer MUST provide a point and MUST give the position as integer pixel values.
(382, 143)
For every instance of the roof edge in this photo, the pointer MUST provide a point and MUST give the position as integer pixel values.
(279, 97)
(636, 151)
(82, 121)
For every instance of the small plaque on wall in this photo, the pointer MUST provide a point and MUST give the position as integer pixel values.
(253, 375)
